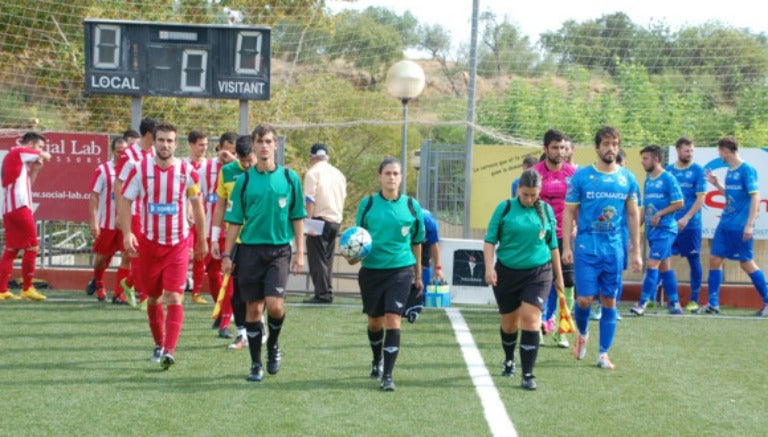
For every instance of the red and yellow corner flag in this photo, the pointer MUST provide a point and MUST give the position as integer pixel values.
(565, 324)
(220, 297)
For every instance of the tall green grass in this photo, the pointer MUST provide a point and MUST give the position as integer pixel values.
(70, 366)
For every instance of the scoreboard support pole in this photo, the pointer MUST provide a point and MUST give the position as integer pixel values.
(135, 112)
(243, 118)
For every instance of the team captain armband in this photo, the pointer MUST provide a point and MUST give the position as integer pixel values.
(193, 191)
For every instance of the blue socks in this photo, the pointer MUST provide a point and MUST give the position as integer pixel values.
(581, 316)
(715, 279)
(694, 261)
(607, 329)
(669, 279)
(758, 279)
(649, 285)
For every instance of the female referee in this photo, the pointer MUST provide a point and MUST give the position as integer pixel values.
(396, 225)
(524, 228)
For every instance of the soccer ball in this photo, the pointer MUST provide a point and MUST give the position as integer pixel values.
(355, 243)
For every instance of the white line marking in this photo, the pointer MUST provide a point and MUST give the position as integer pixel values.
(493, 408)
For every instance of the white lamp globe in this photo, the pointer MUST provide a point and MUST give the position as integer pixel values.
(405, 80)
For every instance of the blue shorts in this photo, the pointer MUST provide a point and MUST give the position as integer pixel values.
(660, 244)
(687, 243)
(596, 274)
(728, 244)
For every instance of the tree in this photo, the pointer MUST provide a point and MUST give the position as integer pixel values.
(736, 57)
(296, 41)
(503, 48)
(405, 25)
(595, 43)
(437, 41)
(371, 39)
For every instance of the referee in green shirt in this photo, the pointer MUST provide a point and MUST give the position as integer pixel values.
(396, 225)
(267, 212)
(527, 262)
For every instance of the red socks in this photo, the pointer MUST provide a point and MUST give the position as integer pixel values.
(6, 265)
(165, 330)
(173, 327)
(156, 322)
(98, 275)
(121, 274)
(198, 275)
(27, 268)
(226, 304)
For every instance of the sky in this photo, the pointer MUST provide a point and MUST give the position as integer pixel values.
(538, 16)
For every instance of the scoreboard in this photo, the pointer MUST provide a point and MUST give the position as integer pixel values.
(178, 60)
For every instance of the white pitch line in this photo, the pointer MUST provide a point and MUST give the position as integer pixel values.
(495, 413)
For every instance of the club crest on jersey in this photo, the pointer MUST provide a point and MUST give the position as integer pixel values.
(605, 222)
(212, 198)
(405, 230)
(282, 202)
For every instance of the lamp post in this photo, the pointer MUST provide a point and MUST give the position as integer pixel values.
(405, 80)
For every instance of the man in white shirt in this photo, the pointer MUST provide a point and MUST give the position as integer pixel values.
(325, 189)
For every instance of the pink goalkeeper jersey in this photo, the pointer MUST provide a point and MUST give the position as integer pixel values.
(103, 185)
(17, 192)
(554, 186)
(163, 197)
(128, 158)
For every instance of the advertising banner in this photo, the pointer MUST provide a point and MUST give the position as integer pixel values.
(61, 190)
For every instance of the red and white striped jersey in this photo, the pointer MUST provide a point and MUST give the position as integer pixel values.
(196, 166)
(103, 185)
(128, 157)
(209, 177)
(17, 192)
(163, 195)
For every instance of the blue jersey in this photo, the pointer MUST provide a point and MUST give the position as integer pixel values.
(602, 199)
(692, 183)
(514, 187)
(659, 193)
(740, 183)
(431, 228)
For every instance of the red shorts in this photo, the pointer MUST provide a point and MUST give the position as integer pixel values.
(163, 267)
(108, 242)
(20, 229)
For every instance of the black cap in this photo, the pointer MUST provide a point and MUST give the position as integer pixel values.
(319, 150)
